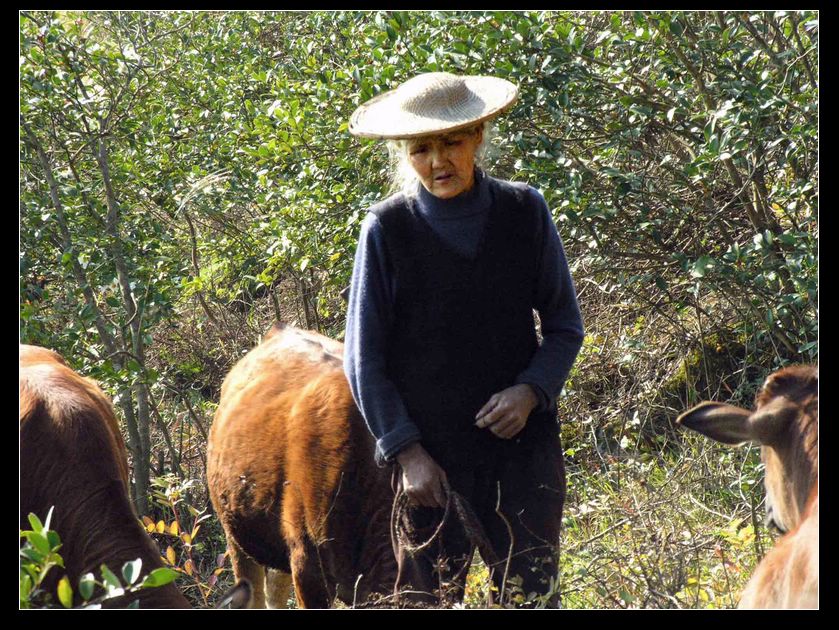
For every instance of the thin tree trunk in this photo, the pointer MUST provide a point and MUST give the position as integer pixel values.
(275, 302)
(143, 456)
(302, 290)
(137, 424)
(167, 437)
(126, 403)
(108, 340)
(142, 476)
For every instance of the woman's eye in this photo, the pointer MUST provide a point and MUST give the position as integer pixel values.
(417, 150)
(453, 143)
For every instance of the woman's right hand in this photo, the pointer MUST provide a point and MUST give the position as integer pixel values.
(422, 479)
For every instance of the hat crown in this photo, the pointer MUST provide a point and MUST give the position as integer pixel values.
(432, 103)
(434, 91)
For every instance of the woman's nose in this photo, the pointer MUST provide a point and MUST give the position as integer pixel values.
(438, 157)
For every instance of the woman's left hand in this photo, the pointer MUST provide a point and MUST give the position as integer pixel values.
(506, 412)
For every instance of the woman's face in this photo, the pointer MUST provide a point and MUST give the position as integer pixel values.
(445, 164)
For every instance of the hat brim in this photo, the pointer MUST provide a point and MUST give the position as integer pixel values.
(382, 117)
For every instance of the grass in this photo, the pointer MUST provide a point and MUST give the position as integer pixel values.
(660, 534)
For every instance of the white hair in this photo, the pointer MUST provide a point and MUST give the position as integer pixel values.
(403, 177)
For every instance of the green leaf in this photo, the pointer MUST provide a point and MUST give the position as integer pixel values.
(65, 592)
(53, 539)
(36, 524)
(131, 570)
(159, 577)
(30, 569)
(808, 346)
(86, 585)
(33, 555)
(701, 266)
(25, 589)
(40, 542)
(111, 580)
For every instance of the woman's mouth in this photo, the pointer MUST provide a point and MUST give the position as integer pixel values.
(443, 178)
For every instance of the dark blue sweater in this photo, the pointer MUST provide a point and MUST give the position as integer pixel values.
(458, 221)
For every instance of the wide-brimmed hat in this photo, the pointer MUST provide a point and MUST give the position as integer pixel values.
(432, 103)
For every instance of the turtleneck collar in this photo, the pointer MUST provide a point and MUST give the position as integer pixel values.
(473, 201)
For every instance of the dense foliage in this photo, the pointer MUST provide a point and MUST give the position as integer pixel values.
(187, 178)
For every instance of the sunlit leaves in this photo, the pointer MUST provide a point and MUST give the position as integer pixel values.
(159, 577)
(37, 564)
(131, 571)
(700, 268)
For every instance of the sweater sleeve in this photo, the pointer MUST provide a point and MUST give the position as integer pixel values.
(562, 323)
(369, 318)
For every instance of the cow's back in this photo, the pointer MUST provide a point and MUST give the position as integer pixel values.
(289, 458)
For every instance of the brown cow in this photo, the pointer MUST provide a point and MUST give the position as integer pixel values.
(292, 476)
(785, 423)
(73, 457)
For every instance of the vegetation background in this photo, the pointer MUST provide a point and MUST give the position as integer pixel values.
(186, 179)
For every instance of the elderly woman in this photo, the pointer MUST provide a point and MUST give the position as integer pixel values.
(441, 349)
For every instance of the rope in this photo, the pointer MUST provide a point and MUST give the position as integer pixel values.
(400, 507)
(465, 514)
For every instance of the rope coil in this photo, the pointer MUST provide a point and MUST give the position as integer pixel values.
(465, 514)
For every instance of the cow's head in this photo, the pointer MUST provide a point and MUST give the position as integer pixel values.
(785, 424)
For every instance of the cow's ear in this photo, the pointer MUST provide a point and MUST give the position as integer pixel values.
(724, 423)
(770, 421)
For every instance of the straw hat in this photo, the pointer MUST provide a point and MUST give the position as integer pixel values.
(432, 103)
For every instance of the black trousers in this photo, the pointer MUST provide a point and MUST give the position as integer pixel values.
(525, 482)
